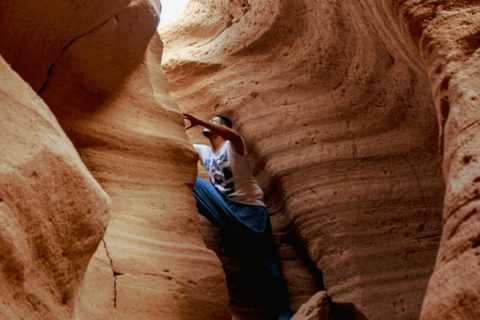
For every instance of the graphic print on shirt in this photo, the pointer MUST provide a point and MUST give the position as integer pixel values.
(221, 174)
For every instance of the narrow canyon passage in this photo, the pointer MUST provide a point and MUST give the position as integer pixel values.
(361, 124)
(335, 103)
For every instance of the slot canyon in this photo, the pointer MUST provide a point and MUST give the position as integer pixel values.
(359, 119)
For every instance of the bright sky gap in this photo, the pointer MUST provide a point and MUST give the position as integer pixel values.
(171, 10)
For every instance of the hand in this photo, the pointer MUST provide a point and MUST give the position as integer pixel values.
(194, 121)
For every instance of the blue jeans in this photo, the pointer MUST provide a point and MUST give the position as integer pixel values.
(250, 225)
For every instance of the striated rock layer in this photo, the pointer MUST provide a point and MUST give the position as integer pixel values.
(53, 213)
(97, 67)
(341, 104)
(335, 104)
(448, 37)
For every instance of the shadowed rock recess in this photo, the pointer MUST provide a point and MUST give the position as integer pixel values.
(361, 121)
(345, 106)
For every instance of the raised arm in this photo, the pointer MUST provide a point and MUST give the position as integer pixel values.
(218, 129)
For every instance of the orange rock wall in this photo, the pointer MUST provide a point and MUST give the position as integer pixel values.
(342, 105)
(448, 37)
(336, 107)
(53, 213)
(97, 67)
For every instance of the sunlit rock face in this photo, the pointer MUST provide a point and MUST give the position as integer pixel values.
(53, 213)
(335, 103)
(96, 65)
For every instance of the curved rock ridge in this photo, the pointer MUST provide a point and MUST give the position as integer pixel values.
(53, 212)
(335, 104)
(97, 67)
(448, 38)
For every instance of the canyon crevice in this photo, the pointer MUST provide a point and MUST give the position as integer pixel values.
(360, 119)
(367, 90)
(97, 67)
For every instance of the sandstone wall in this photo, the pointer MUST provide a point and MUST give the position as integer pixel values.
(337, 111)
(96, 64)
(341, 104)
(448, 37)
(53, 213)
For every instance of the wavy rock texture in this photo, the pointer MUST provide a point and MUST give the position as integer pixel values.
(53, 213)
(337, 102)
(97, 66)
(448, 37)
(337, 111)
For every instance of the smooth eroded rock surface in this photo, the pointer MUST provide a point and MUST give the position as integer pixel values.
(448, 37)
(356, 115)
(337, 112)
(97, 66)
(53, 213)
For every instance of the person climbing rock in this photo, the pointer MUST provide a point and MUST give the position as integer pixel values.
(233, 201)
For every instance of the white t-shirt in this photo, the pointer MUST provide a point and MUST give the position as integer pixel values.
(231, 175)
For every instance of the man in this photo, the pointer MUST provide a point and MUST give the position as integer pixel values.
(233, 200)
